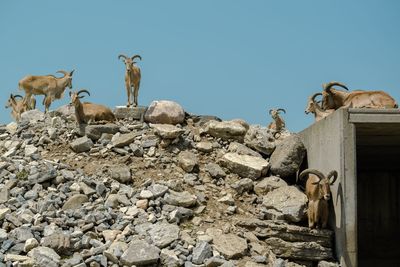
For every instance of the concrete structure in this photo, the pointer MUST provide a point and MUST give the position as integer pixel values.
(363, 145)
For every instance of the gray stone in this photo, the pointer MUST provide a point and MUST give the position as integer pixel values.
(115, 251)
(4, 196)
(215, 170)
(288, 200)
(327, 264)
(30, 244)
(95, 132)
(164, 234)
(121, 173)
(287, 157)
(3, 235)
(245, 166)
(165, 111)
(243, 185)
(58, 241)
(228, 200)
(123, 112)
(268, 184)
(310, 251)
(30, 150)
(12, 127)
(81, 144)
(140, 253)
(21, 234)
(201, 252)
(75, 202)
(182, 199)
(169, 258)
(167, 131)
(260, 139)
(157, 190)
(241, 149)
(65, 110)
(121, 140)
(227, 130)
(204, 146)
(32, 116)
(179, 214)
(43, 256)
(188, 161)
(229, 245)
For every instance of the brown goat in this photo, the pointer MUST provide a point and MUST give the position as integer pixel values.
(18, 106)
(86, 112)
(132, 78)
(318, 193)
(314, 108)
(278, 125)
(334, 99)
(49, 86)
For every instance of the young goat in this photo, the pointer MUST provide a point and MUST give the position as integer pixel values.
(132, 78)
(86, 112)
(18, 106)
(314, 108)
(318, 192)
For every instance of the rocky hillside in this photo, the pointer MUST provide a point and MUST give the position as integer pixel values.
(197, 192)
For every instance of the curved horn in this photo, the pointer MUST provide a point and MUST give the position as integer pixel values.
(136, 56)
(63, 72)
(83, 91)
(72, 72)
(327, 86)
(18, 96)
(334, 174)
(314, 96)
(270, 111)
(125, 57)
(281, 109)
(312, 171)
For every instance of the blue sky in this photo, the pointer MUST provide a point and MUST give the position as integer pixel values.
(233, 59)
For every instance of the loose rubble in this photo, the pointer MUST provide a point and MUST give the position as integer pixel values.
(159, 187)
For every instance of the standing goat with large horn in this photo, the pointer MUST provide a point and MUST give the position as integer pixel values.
(132, 78)
(318, 192)
(86, 112)
(334, 99)
(50, 86)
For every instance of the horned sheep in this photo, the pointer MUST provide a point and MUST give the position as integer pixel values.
(314, 108)
(18, 106)
(132, 78)
(278, 125)
(318, 193)
(86, 112)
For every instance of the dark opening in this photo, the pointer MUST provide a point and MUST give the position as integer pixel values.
(378, 194)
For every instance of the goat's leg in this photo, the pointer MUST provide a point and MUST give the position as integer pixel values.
(128, 92)
(47, 102)
(136, 94)
(310, 213)
(324, 214)
(27, 100)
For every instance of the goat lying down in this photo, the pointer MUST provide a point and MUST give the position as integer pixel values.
(314, 108)
(318, 192)
(87, 112)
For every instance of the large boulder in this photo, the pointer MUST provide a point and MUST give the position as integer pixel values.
(287, 157)
(227, 130)
(245, 166)
(165, 111)
(260, 139)
(289, 201)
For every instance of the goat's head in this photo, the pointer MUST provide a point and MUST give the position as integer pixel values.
(12, 100)
(327, 97)
(67, 77)
(275, 112)
(75, 96)
(324, 182)
(129, 61)
(312, 103)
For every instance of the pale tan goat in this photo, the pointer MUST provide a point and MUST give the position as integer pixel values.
(18, 106)
(334, 99)
(132, 78)
(318, 192)
(49, 86)
(314, 108)
(278, 125)
(86, 112)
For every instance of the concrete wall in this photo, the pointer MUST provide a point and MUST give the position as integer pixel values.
(330, 146)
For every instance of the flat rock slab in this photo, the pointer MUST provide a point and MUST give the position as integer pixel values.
(245, 166)
(75, 202)
(140, 253)
(136, 113)
(44, 256)
(268, 184)
(94, 132)
(182, 199)
(309, 251)
(164, 234)
(229, 245)
(288, 200)
(227, 130)
(167, 131)
(121, 140)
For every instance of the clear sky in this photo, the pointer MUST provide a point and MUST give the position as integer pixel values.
(233, 59)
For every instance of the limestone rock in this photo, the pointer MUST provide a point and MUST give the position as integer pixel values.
(245, 166)
(136, 113)
(201, 252)
(165, 111)
(164, 234)
(167, 131)
(288, 200)
(182, 199)
(260, 139)
(82, 144)
(140, 253)
(44, 256)
(121, 140)
(121, 173)
(75, 202)
(204, 146)
(188, 161)
(227, 130)
(215, 170)
(229, 245)
(268, 184)
(242, 150)
(287, 157)
(32, 116)
(94, 132)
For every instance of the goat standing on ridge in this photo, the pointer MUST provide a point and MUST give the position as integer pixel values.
(18, 106)
(318, 192)
(132, 78)
(86, 112)
(49, 86)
